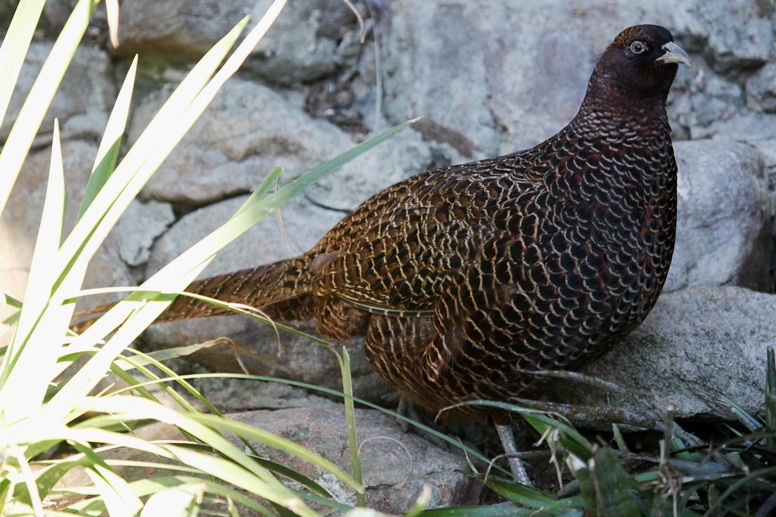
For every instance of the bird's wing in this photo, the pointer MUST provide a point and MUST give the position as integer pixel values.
(509, 308)
(397, 252)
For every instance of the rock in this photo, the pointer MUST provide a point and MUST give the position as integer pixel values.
(724, 221)
(83, 100)
(756, 129)
(492, 78)
(700, 98)
(182, 29)
(733, 36)
(395, 465)
(238, 395)
(311, 39)
(248, 129)
(697, 345)
(21, 218)
(306, 42)
(139, 227)
(744, 127)
(761, 89)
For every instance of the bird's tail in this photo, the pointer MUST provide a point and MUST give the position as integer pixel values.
(263, 286)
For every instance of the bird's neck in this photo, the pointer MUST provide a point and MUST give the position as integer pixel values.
(608, 104)
(648, 117)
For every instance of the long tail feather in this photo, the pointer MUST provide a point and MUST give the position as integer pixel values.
(257, 287)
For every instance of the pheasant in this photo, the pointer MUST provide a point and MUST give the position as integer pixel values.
(466, 279)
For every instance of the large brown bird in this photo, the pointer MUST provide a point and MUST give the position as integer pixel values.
(465, 279)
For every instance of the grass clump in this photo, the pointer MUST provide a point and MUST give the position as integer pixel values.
(41, 405)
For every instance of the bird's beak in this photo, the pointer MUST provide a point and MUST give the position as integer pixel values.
(674, 54)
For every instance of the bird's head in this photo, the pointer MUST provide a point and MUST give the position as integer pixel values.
(640, 64)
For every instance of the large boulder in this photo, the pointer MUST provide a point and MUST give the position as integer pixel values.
(249, 129)
(310, 39)
(697, 346)
(396, 465)
(724, 219)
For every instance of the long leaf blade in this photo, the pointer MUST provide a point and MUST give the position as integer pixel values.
(41, 94)
(15, 45)
(108, 152)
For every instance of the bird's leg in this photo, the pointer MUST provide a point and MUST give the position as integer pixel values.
(406, 407)
(510, 448)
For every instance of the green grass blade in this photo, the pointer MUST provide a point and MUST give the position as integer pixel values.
(235, 467)
(527, 496)
(108, 152)
(47, 241)
(15, 45)
(34, 369)
(300, 184)
(10, 300)
(350, 416)
(41, 94)
(119, 498)
(180, 501)
(613, 488)
(747, 420)
(619, 439)
(146, 487)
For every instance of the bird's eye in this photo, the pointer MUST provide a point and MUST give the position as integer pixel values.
(638, 47)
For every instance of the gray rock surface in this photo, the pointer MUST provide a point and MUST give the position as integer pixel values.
(240, 395)
(248, 129)
(724, 220)
(733, 36)
(395, 465)
(493, 78)
(311, 39)
(761, 89)
(701, 98)
(83, 100)
(306, 43)
(139, 227)
(697, 345)
(179, 28)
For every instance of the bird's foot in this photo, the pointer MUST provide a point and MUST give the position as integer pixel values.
(409, 410)
(510, 448)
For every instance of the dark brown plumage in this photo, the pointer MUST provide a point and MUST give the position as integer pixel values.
(465, 278)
